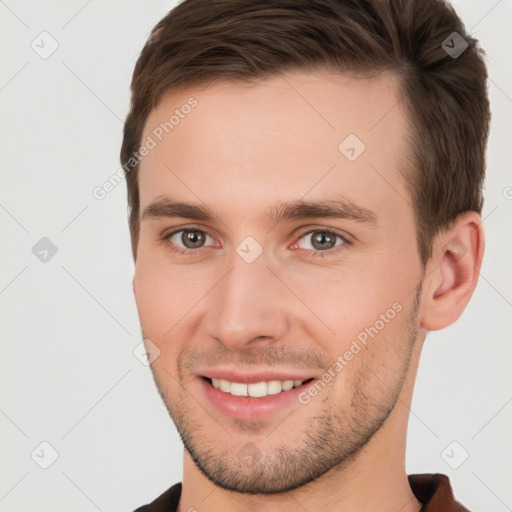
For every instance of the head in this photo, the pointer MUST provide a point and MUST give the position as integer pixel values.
(342, 129)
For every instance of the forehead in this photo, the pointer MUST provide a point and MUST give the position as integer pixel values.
(280, 139)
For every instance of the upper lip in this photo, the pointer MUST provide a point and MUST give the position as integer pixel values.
(253, 377)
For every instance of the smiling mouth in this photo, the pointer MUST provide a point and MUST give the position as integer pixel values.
(256, 389)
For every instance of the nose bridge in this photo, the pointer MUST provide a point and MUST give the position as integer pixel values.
(247, 303)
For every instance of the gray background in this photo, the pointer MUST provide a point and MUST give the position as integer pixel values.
(69, 324)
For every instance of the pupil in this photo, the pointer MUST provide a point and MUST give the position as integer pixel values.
(322, 238)
(192, 239)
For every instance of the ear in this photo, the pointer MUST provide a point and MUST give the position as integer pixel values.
(133, 287)
(452, 272)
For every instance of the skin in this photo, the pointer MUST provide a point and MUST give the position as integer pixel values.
(241, 150)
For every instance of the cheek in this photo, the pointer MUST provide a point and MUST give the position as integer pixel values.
(156, 297)
(159, 308)
(372, 363)
(365, 310)
(352, 301)
(165, 294)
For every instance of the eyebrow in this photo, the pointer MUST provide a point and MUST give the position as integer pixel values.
(293, 210)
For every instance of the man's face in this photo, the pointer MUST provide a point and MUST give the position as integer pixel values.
(262, 296)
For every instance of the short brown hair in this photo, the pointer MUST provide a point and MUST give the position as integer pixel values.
(445, 93)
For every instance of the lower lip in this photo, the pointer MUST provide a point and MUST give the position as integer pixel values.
(250, 408)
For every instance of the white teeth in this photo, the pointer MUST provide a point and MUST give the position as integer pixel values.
(287, 384)
(274, 387)
(225, 385)
(238, 389)
(257, 389)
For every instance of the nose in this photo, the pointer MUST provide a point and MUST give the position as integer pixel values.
(249, 305)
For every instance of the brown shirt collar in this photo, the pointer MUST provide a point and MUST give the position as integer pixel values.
(435, 492)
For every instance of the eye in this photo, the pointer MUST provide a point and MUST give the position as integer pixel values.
(320, 240)
(190, 241)
(186, 240)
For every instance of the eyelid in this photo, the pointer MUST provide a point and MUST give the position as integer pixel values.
(342, 234)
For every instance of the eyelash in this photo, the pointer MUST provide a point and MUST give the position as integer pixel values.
(312, 253)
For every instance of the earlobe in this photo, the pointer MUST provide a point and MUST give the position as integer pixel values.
(453, 276)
